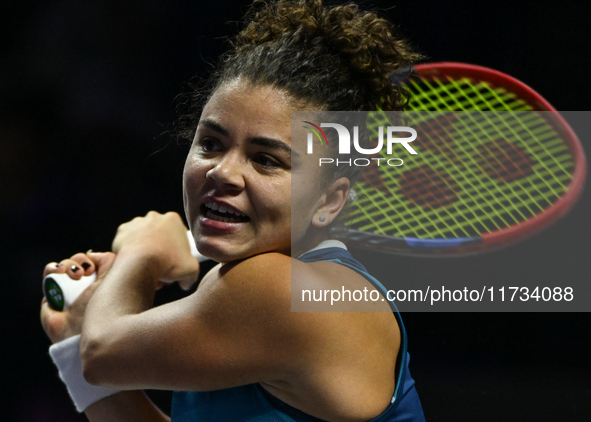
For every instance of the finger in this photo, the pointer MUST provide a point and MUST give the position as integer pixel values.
(81, 262)
(84, 263)
(68, 266)
(56, 324)
(47, 313)
(53, 268)
(52, 321)
(73, 269)
(45, 309)
(103, 261)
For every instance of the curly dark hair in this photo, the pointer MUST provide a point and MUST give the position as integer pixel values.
(326, 58)
(334, 58)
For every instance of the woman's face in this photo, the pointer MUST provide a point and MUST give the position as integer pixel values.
(238, 191)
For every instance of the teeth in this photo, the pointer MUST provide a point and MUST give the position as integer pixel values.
(216, 217)
(223, 209)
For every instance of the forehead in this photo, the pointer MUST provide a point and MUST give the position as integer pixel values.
(241, 107)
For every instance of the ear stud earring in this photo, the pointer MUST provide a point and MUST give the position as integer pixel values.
(322, 219)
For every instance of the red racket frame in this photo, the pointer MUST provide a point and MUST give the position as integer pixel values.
(500, 79)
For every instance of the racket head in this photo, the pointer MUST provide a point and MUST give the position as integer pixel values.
(447, 88)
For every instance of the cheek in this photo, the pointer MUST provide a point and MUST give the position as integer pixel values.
(188, 171)
(305, 183)
(304, 194)
(271, 202)
(193, 176)
(271, 197)
(195, 167)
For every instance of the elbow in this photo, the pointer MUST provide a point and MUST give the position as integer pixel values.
(94, 362)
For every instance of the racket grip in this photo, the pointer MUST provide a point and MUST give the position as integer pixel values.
(61, 291)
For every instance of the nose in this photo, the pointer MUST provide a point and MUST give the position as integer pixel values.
(228, 172)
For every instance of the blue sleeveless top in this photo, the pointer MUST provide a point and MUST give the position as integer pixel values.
(253, 403)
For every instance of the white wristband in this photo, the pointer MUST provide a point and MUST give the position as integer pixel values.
(66, 356)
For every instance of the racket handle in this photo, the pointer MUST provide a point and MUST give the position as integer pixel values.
(61, 291)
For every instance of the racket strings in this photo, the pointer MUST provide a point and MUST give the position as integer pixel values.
(466, 96)
(436, 94)
(386, 219)
(420, 221)
(499, 170)
(424, 223)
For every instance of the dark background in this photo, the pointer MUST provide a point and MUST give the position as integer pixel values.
(86, 99)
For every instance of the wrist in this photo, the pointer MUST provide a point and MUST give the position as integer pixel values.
(147, 262)
(58, 338)
(66, 356)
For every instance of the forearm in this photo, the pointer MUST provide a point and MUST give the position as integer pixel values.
(127, 289)
(126, 406)
(109, 325)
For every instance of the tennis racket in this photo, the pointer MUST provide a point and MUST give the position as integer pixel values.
(503, 169)
(61, 291)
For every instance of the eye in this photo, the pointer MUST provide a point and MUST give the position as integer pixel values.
(266, 161)
(209, 145)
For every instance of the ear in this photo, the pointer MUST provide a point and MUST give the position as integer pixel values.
(331, 202)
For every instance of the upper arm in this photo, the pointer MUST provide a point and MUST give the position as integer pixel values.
(236, 329)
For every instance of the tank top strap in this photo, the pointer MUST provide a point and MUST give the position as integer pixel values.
(342, 256)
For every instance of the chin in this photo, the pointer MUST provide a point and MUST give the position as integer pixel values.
(229, 253)
(222, 253)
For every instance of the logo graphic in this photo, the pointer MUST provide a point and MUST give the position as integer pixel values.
(345, 138)
(316, 133)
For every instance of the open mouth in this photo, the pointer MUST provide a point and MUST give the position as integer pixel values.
(222, 213)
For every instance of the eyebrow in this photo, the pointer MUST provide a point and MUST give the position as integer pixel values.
(272, 143)
(257, 140)
(212, 124)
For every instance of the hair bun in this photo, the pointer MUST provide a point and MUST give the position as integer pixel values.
(359, 40)
(327, 58)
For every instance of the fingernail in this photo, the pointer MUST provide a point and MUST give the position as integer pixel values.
(89, 251)
(74, 268)
(85, 265)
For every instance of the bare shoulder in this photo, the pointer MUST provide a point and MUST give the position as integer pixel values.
(257, 293)
(344, 356)
(301, 293)
(262, 279)
(277, 281)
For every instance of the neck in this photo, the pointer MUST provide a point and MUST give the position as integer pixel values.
(308, 241)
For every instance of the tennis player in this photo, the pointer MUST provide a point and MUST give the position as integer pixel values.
(233, 350)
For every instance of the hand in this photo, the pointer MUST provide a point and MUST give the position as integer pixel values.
(160, 239)
(61, 325)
